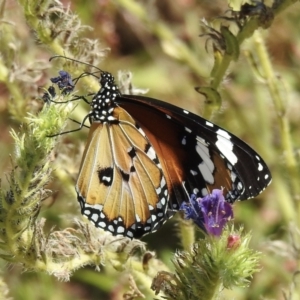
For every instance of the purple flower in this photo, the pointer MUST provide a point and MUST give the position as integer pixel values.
(211, 212)
(64, 82)
(193, 211)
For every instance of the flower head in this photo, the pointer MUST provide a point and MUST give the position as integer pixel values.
(211, 212)
(193, 211)
(233, 241)
(64, 82)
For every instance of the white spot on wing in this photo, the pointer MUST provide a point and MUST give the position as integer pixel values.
(193, 172)
(240, 186)
(204, 154)
(102, 224)
(163, 182)
(94, 206)
(94, 217)
(142, 131)
(106, 178)
(233, 176)
(207, 166)
(203, 150)
(201, 140)
(224, 133)
(120, 229)
(151, 153)
(206, 173)
(98, 207)
(87, 212)
(226, 147)
(204, 192)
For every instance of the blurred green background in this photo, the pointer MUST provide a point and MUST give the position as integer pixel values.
(140, 47)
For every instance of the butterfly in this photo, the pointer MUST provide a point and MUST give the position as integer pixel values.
(144, 157)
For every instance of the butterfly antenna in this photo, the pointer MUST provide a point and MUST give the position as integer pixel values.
(75, 60)
(85, 74)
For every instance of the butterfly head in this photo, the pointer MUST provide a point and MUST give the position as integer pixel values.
(103, 103)
(107, 80)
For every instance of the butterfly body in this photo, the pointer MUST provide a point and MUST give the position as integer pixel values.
(144, 157)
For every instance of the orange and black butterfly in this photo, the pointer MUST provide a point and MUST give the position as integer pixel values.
(144, 157)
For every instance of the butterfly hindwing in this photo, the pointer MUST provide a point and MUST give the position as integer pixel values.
(120, 185)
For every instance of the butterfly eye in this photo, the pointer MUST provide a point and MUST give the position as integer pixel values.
(144, 157)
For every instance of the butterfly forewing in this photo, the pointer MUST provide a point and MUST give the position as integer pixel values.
(197, 153)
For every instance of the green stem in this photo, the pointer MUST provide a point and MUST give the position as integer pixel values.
(280, 106)
(246, 32)
(187, 234)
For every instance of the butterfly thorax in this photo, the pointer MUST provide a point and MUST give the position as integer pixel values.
(103, 103)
